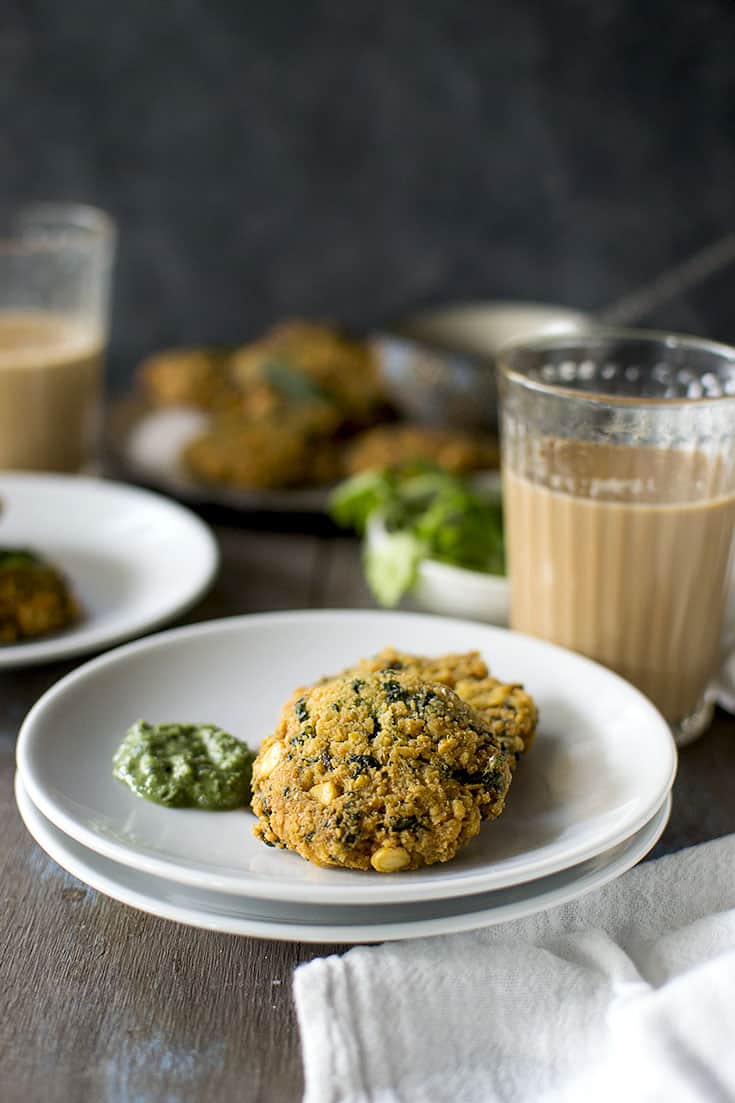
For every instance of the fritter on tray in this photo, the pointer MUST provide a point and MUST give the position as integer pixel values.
(189, 377)
(300, 362)
(390, 445)
(302, 405)
(291, 450)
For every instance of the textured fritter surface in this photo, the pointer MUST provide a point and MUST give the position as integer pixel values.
(389, 445)
(505, 707)
(449, 668)
(378, 770)
(301, 361)
(189, 377)
(34, 597)
(290, 450)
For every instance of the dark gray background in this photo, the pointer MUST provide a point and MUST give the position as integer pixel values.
(353, 160)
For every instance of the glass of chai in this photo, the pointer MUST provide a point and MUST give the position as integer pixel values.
(55, 268)
(619, 492)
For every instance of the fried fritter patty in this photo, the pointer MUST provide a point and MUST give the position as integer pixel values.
(504, 706)
(287, 451)
(34, 597)
(382, 770)
(306, 360)
(189, 377)
(448, 669)
(389, 445)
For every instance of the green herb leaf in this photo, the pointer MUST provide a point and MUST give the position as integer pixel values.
(292, 383)
(354, 500)
(455, 521)
(11, 558)
(391, 566)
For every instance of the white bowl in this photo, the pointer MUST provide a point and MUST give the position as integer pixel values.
(457, 592)
(441, 365)
(452, 591)
(481, 329)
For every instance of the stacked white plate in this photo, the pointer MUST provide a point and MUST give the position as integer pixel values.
(590, 799)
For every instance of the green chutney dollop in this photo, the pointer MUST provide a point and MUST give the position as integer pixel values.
(185, 766)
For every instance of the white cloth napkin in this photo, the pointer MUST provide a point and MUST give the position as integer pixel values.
(627, 994)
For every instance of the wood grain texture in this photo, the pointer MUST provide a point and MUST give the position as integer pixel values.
(101, 1002)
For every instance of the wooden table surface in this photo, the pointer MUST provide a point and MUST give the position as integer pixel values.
(101, 1002)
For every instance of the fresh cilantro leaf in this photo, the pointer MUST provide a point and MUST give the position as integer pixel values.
(354, 500)
(391, 565)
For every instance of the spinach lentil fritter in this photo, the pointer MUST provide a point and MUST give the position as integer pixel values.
(454, 450)
(290, 449)
(190, 377)
(504, 707)
(34, 597)
(385, 770)
(298, 361)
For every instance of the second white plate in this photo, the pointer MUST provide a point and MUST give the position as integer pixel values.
(601, 766)
(133, 559)
(314, 923)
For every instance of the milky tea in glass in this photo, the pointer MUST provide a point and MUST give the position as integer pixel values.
(55, 265)
(619, 492)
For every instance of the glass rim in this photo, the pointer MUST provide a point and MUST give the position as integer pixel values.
(598, 335)
(81, 222)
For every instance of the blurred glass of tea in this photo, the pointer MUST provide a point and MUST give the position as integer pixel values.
(56, 263)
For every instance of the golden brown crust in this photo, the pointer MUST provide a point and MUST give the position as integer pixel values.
(287, 451)
(188, 377)
(448, 669)
(337, 368)
(505, 706)
(34, 601)
(389, 445)
(280, 405)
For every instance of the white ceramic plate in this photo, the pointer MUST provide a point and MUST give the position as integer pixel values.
(306, 923)
(133, 559)
(602, 763)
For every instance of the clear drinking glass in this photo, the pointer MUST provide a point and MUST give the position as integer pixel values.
(619, 484)
(55, 271)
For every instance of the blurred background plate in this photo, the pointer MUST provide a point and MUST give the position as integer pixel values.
(142, 444)
(436, 368)
(134, 560)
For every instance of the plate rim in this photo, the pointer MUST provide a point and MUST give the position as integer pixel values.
(625, 855)
(66, 645)
(303, 891)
